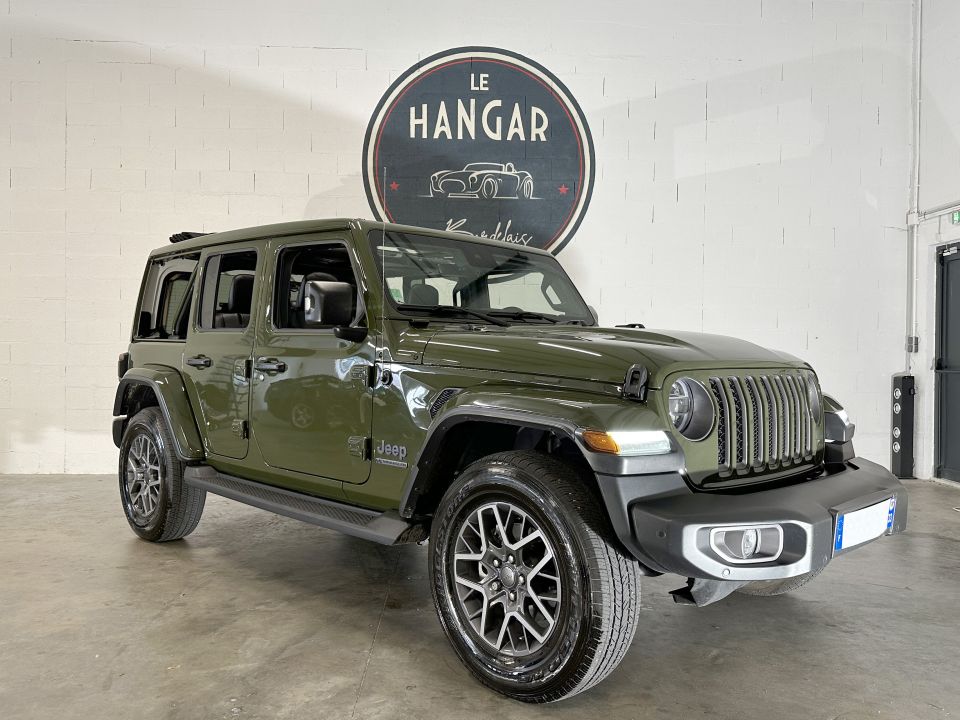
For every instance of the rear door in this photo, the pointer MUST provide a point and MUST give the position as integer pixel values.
(312, 402)
(216, 361)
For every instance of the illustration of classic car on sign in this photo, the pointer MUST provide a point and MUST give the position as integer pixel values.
(483, 180)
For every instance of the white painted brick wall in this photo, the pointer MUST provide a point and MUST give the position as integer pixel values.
(753, 161)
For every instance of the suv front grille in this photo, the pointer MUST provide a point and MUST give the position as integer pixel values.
(764, 423)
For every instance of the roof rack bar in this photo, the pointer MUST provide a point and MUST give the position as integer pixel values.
(181, 236)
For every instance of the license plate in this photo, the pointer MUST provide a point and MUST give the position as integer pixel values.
(860, 526)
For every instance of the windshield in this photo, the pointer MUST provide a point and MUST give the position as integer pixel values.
(504, 283)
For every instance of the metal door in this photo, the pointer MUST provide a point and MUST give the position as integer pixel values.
(217, 355)
(948, 363)
(312, 404)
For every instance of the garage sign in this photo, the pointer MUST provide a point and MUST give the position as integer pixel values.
(482, 141)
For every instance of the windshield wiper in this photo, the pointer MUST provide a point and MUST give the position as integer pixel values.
(452, 310)
(521, 314)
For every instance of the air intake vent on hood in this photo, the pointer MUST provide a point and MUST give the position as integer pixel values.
(441, 400)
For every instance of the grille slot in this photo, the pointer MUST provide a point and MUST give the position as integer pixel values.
(757, 418)
(723, 432)
(739, 422)
(764, 422)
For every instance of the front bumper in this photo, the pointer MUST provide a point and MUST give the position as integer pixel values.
(666, 525)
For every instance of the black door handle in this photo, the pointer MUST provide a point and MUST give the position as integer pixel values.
(199, 361)
(270, 365)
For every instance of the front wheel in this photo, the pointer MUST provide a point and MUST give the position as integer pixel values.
(535, 596)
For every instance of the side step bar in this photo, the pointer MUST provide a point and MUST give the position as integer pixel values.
(387, 528)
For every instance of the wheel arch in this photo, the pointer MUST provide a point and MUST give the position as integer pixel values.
(158, 386)
(466, 434)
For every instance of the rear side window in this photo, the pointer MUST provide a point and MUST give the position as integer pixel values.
(172, 294)
(166, 297)
(227, 298)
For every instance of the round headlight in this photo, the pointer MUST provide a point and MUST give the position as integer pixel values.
(681, 404)
(690, 408)
(813, 395)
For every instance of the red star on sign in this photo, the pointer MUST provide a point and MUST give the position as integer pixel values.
(394, 185)
(563, 189)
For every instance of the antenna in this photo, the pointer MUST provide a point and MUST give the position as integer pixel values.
(383, 272)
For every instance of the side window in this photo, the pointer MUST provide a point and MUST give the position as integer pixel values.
(167, 292)
(227, 297)
(299, 264)
(172, 294)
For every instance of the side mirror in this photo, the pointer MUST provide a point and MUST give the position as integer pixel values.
(593, 311)
(327, 303)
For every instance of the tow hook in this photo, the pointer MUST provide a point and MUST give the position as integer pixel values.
(702, 592)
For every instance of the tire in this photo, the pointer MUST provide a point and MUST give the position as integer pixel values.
(769, 588)
(488, 189)
(526, 189)
(595, 610)
(158, 504)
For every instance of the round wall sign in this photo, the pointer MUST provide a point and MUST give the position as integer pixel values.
(483, 141)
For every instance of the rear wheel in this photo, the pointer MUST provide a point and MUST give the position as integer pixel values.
(158, 504)
(768, 588)
(536, 598)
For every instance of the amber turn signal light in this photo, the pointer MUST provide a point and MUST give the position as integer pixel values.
(599, 441)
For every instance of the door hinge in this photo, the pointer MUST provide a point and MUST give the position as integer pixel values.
(359, 446)
(364, 373)
(239, 428)
(913, 343)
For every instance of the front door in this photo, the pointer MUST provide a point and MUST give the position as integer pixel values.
(217, 355)
(312, 402)
(948, 363)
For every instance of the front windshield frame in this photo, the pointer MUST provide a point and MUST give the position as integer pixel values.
(581, 315)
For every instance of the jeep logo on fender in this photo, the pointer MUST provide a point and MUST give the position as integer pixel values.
(483, 141)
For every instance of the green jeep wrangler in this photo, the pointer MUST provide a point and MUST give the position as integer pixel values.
(399, 384)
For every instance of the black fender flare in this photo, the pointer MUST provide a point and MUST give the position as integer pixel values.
(167, 386)
(600, 464)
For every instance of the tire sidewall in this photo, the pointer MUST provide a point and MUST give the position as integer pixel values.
(487, 482)
(146, 423)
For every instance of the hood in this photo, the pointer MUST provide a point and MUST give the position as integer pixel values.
(598, 354)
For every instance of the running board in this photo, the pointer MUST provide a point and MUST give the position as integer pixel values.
(387, 528)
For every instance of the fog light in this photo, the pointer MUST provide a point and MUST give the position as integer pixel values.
(747, 543)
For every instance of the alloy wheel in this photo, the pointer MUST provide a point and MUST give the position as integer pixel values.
(144, 473)
(507, 579)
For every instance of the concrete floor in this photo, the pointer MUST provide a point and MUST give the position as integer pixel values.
(256, 616)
